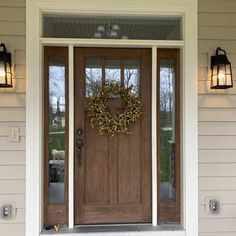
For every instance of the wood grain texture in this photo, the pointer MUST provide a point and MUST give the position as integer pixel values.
(113, 182)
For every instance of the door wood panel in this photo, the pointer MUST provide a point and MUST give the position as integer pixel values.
(113, 179)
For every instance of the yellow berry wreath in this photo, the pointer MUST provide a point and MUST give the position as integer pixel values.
(112, 124)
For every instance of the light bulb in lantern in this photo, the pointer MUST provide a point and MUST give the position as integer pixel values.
(221, 75)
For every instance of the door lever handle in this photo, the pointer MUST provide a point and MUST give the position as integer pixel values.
(79, 145)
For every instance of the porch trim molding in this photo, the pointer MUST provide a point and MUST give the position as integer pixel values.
(34, 97)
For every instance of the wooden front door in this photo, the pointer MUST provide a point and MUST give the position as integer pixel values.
(113, 175)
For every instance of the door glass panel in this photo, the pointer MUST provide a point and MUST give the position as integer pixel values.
(113, 71)
(56, 144)
(93, 72)
(167, 130)
(132, 76)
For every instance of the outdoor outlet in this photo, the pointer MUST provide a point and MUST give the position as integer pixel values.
(7, 211)
(212, 205)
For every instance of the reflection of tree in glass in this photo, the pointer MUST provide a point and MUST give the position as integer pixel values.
(57, 81)
(132, 79)
(166, 88)
(93, 81)
(113, 74)
(167, 103)
(57, 88)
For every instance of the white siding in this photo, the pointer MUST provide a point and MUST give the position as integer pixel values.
(217, 120)
(12, 113)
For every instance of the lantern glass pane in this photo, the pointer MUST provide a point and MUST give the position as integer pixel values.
(8, 74)
(228, 69)
(221, 74)
(2, 71)
(214, 76)
(228, 75)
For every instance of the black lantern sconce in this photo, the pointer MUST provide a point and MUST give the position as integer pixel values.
(221, 71)
(5, 68)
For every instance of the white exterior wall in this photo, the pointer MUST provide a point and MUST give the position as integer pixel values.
(12, 113)
(217, 120)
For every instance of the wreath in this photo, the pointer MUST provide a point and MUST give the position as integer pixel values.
(101, 117)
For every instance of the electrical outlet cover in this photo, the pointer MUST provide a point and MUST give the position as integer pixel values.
(211, 203)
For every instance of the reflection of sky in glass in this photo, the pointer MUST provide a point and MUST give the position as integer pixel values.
(93, 72)
(113, 71)
(132, 75)
(57, 87)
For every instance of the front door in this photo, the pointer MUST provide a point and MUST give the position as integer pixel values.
(112, 173)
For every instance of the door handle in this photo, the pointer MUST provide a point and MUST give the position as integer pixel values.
(79, 145)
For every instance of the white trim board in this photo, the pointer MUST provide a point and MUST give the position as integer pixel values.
(34, 176)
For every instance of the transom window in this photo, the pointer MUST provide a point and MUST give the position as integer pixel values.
(112, 27)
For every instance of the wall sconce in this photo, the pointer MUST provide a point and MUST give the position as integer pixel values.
(221, 71)
(5, 68)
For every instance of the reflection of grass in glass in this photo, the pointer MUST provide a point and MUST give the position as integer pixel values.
(56, 139)
(165, 153)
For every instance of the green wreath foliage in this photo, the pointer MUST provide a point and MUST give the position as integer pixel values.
(107, 123)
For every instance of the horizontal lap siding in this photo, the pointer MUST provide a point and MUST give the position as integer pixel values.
(217, 120)
(12, 114)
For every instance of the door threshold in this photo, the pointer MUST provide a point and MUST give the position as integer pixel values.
(115, 229)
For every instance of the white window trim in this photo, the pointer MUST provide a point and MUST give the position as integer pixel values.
(34, 97)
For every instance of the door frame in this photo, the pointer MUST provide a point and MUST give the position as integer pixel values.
(34, 98)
